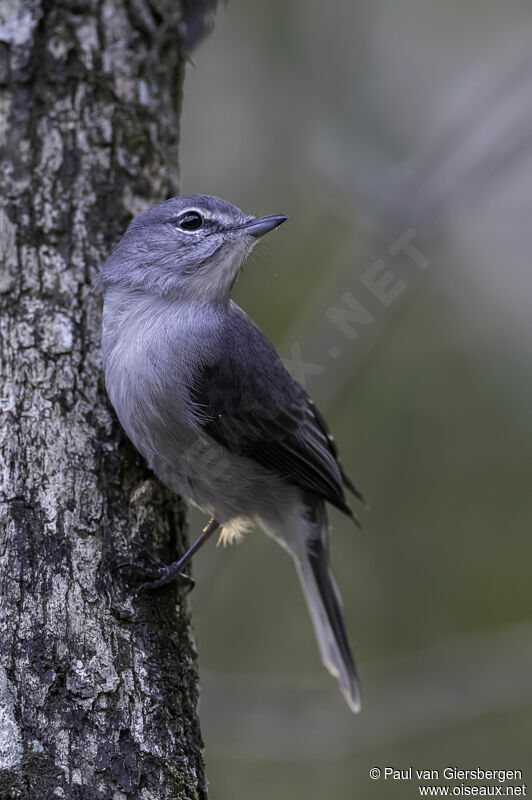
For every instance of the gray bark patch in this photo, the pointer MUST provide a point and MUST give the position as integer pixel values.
(10, 737)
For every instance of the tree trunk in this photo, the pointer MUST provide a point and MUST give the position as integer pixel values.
(98, 692)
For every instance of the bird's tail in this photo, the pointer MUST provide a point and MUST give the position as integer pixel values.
(325, 606)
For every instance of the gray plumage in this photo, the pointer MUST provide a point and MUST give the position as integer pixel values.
(204, 397)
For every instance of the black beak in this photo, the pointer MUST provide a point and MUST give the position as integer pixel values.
(261, 225)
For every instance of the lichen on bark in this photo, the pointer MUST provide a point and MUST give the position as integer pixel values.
(98, 694)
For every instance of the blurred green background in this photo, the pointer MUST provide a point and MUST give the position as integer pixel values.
(362, 121)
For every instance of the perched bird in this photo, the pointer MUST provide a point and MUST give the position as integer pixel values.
(204, 397)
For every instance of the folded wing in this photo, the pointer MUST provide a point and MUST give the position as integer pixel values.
(249, 403)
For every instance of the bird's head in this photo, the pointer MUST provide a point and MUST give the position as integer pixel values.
(191, 247)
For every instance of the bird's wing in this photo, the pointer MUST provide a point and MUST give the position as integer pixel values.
(252, 406)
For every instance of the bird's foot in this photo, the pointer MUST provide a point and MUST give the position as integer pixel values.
(154, 578)
(160, 576)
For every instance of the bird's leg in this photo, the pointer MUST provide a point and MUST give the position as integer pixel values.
(163, 575)
(160, 576)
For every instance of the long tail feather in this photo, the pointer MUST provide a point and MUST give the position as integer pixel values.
(325, 606)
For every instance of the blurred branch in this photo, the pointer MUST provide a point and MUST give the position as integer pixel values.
(480, 135)
(482, 130)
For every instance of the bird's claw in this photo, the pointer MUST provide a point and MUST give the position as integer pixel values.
(161, 577)
(156, 577)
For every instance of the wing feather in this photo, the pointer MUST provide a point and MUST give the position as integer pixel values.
(252, 406)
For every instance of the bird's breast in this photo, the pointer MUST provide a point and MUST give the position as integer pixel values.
(146, 369)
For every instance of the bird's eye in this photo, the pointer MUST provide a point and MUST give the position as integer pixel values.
(190, 221)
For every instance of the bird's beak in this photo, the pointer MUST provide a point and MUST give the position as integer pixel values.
(261, 225)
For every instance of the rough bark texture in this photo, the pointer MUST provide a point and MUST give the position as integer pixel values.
(98, 693)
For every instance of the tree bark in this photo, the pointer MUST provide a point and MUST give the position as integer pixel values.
(98, 692)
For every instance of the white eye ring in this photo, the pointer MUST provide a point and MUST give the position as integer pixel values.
(190, 220)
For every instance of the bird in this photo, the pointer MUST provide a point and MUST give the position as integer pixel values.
(205, 398)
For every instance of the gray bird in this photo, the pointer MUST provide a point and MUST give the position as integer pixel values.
(204, 397)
